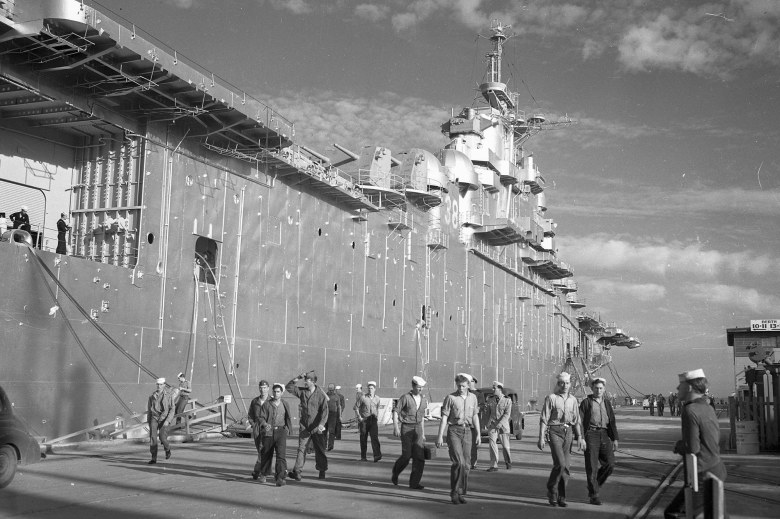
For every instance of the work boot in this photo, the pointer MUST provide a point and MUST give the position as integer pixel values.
(168, 454)
(153, 450)
(322, 474)
(294, 475)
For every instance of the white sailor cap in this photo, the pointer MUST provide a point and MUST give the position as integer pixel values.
(279, 385)
(564, 377)
(358, 386)
(338, 388)
(496, 383)
(371, 383)
(598, 379)
(418, 381)
(161, 380)
(24, 208)
(468, 377)
(180, 375)
(690, 375)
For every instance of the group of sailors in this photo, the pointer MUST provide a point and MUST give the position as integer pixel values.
(564, 421)
(21, 220)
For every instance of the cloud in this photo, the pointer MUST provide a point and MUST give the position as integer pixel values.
(372, 12)
(633, 291)
(603, 253)
(294, 6)
(748, 299)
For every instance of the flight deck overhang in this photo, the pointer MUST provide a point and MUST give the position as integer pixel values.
(66, 65)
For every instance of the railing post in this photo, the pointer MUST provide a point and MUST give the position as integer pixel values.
(713, 498)
(691, 484)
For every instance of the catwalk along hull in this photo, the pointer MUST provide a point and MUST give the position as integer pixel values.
(206, 241)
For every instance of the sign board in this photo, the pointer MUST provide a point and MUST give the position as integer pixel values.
(764, 325)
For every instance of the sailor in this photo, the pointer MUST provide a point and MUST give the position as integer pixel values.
(498, 426)
(475, 433)
(21, 219)
(661, 404)
(159, 415)
(62, 230)
(367, 414)
(254, 419)
(409, 425)
(184, 395)
(459, 413)
(312, 424)
(601, 438)
(700, 436)
(3, 224)
(275, 420)
(560, 422)
(335, 408)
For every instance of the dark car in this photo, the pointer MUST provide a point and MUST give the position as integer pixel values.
(17, 446)
(487, 401)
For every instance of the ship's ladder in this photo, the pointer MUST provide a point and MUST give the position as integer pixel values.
(219, 334)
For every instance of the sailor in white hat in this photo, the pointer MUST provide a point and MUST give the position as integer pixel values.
(560, 421)
(474, 433)
(498, 426)
(159, 412)
(367, 414)
(20, 219)
(459, 416)
(409, 425)
(700, 436)
(601, 437)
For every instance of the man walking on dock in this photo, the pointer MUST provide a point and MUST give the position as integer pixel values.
(700, 436)
(409, 425)
(335, 407)
(498, 427)
(159, 415)
(560, 420)
(312, 424)
(601, 438)
(275, 420)
(257, 431)
(367, 413)
(459, 414)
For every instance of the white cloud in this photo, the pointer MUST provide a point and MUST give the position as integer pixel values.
(748, 299)
(372, 12)
(620, 289)
(603, 253)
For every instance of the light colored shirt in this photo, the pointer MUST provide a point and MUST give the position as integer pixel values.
(501, 414)
(367, 406)
(560, 410)
(458, 410)
(598, 415)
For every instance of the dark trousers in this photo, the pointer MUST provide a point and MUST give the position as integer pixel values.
(412, 448)
(181, 404)
(660, 410)
(598, 453)
(333, 423)
(474, 447)
(274, 442)
(370, 426)
(317, 440)
(157, 430)
(257, 435)
(560, 448)
(61, 244)
(459, 444)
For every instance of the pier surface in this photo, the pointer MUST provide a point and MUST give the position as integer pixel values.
(211, 478)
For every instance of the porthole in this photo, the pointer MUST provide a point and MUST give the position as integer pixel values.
(353, 245)
(319, 231)
(150, 238)
(335, 288)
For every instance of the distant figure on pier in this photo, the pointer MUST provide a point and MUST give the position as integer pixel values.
(367, 414)
(313, 406)
(651, 403)
(159, 415)
(601, 438)
(560, 422)
(257, 431)
(700, 436)
(661, 404)
(62, 231)
(184, 395)
(335, 408)
(672, 401)
(20, 219)
(409, 425)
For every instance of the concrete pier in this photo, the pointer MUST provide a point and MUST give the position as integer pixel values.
(211, 478)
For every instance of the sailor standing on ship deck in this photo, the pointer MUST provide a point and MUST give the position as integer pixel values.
(560, 420)
(62, 230)
(159, 416)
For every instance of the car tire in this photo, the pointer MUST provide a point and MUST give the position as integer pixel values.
(7, 465)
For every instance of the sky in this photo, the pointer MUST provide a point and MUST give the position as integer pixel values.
(666, 189)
